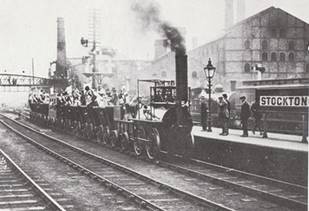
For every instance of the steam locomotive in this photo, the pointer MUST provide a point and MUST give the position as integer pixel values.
(165, 124)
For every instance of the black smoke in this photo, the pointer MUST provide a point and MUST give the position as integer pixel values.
(148, 13)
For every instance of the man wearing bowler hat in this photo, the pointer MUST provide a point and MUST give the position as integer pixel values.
(244, 115)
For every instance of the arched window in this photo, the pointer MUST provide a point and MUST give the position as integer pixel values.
(282, 57)
(163, 74)
(273, 57)
(194, 74)
(247, 44)
(291, 57)
(264, 56)
(291, 45)
(247, 68)
(264, 45)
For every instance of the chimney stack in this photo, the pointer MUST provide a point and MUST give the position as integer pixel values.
(61, 69)
(229, 13)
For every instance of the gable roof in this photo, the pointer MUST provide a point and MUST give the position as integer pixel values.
(264, 12)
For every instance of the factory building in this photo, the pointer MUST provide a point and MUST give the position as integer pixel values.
(272, 38)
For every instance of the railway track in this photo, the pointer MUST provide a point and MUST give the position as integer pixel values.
(18, 191)
(282, 193)
(147, 192)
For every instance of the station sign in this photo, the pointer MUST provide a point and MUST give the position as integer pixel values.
(284, 101)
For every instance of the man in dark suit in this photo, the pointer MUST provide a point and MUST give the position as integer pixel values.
(225, 98)
(244, 115)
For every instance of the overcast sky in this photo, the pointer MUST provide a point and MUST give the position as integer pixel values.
(29, 30)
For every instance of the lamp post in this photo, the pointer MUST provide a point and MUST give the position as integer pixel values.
(209, 71)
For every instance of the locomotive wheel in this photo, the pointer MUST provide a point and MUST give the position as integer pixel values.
(152, 146)
(79, 129)
(99, 134)
(138, 148)
(124, 142)
(90, 131)
(137, 144)
(106, 134)
(114, 139)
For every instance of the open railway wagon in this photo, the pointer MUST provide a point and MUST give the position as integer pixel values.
(163, 124)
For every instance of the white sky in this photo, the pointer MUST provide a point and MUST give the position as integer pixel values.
(29, 30)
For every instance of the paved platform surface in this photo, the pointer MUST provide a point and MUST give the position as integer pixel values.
(274, 140)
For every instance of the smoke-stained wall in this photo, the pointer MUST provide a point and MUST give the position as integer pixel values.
(273, 38)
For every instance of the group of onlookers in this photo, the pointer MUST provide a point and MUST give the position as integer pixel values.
(224, 115)
(85, 97)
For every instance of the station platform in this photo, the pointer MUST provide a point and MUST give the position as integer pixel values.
(274, 140)
(279, 156)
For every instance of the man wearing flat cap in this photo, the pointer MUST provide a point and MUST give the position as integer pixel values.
(244, 115)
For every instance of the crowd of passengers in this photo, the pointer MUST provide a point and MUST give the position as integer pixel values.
(86, 97)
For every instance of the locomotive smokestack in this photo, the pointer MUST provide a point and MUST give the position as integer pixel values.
(148, 12)
(61, 69)
(181, 75)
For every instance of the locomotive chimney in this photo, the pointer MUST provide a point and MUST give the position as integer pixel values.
(61, 50)
(181, 75)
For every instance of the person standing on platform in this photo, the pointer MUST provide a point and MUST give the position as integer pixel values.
(204, 113)
(255, 109)
(229, 113)
(244, 115)
(223, 115)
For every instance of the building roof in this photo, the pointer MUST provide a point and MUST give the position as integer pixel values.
(261, 13)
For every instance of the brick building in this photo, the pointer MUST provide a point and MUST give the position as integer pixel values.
(273, 38)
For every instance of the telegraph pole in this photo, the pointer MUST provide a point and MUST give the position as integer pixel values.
(93, 34)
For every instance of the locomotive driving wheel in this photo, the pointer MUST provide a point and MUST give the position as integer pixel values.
(124, 142)
(106, 133)
(152, 146)
(99, 133)
(138, 144)
(114, 139)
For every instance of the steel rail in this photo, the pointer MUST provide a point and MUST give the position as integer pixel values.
(199, 200)
(141, 201)
(46, 197)
(249, 190)
(243, 188)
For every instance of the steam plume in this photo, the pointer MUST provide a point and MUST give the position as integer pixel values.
(148, 12)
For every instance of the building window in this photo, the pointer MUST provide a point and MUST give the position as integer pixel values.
(247, 68)
(291, 45)
(264, 45)
(194, 74)
(264, 56)
(291, 57)
(282, 33)
(273, 57)
(247, 44)
(163, 74)
(273, 32)
(282, 57)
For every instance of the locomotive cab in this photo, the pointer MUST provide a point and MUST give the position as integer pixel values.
(164, 124)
